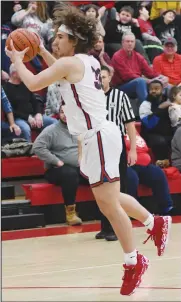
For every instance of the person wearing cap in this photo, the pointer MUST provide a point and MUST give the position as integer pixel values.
(169, 63)
(159, 7)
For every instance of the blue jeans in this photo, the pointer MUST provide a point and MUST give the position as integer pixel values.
(25, 127)
(135, 89)
(154, 178)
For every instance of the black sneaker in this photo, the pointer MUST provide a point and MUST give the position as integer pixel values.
(111, 236)
(100, 235)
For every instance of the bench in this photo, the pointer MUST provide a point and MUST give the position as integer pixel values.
(15, 167)
(47, 194)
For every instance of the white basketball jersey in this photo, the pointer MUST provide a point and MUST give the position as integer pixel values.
(85, 102)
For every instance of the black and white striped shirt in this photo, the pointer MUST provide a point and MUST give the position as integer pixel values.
(119, 108)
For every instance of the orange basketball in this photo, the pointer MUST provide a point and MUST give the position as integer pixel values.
(23, 38)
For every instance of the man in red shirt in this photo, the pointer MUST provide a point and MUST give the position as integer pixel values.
(169, 63)
(129, 67)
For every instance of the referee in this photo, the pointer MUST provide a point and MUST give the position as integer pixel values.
(120, 112)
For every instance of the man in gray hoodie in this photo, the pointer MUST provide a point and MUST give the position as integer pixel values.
(176, 149)
(59, 151)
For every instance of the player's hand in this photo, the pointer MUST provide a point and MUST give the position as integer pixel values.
(16, 129)
(60, 163)
(132, 157)
(14, 54)
(42, 48)
(39, 120)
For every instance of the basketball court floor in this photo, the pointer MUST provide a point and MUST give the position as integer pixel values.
(76, 267)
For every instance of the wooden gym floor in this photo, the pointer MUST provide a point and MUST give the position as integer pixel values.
(76, 267)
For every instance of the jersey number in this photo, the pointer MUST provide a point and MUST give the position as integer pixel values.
(98, 82)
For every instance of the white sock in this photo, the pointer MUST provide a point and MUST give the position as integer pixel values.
(149, 222)
(131, 258)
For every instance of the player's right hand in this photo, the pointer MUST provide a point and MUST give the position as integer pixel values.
(42, 48)
(15, 54)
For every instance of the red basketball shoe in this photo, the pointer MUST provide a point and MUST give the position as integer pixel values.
(160, 233)
(133, 274)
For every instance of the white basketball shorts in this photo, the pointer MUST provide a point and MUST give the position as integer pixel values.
(101, 150)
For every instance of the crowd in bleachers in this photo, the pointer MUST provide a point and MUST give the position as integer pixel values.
(140, 44)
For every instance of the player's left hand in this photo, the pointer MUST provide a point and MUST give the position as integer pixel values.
(132, 157)
(14, 54)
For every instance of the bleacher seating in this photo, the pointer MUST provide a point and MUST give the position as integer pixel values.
(46, 194)
(21, 167)
(28, 166)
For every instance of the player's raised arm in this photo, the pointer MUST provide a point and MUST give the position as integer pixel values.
(66, 67)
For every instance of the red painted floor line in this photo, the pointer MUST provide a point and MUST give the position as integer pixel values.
(62, 230)
(83, 287)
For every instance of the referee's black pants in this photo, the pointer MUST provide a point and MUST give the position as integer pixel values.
(105, 224)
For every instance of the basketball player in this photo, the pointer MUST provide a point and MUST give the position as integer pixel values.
(85, 109)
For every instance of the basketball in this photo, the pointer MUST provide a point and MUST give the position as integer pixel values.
(23, 38)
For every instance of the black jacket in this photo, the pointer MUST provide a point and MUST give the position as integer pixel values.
(22, 100)
(115, 30)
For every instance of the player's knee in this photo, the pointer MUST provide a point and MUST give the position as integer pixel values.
(108, 207)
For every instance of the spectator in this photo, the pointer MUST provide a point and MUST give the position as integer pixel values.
(152, 44)
(159, 7)
(149, 175)
(27, 107)
(175, 109)
(129, 67)
(176, 149)
(91, 11)
(34, 18)
(156, 126)
(99, 53)
(116, 28)
(167, 26)
(11, 127)
(59, 150)
(7, 10)
(107, 11)
(133, 4)
(169, 63)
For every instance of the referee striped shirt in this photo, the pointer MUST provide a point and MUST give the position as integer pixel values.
(119, 108)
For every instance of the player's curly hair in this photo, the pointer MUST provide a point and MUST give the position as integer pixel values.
(83, 28)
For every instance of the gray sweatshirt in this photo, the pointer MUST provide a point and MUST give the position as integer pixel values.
(56, 143)
(176, 149)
